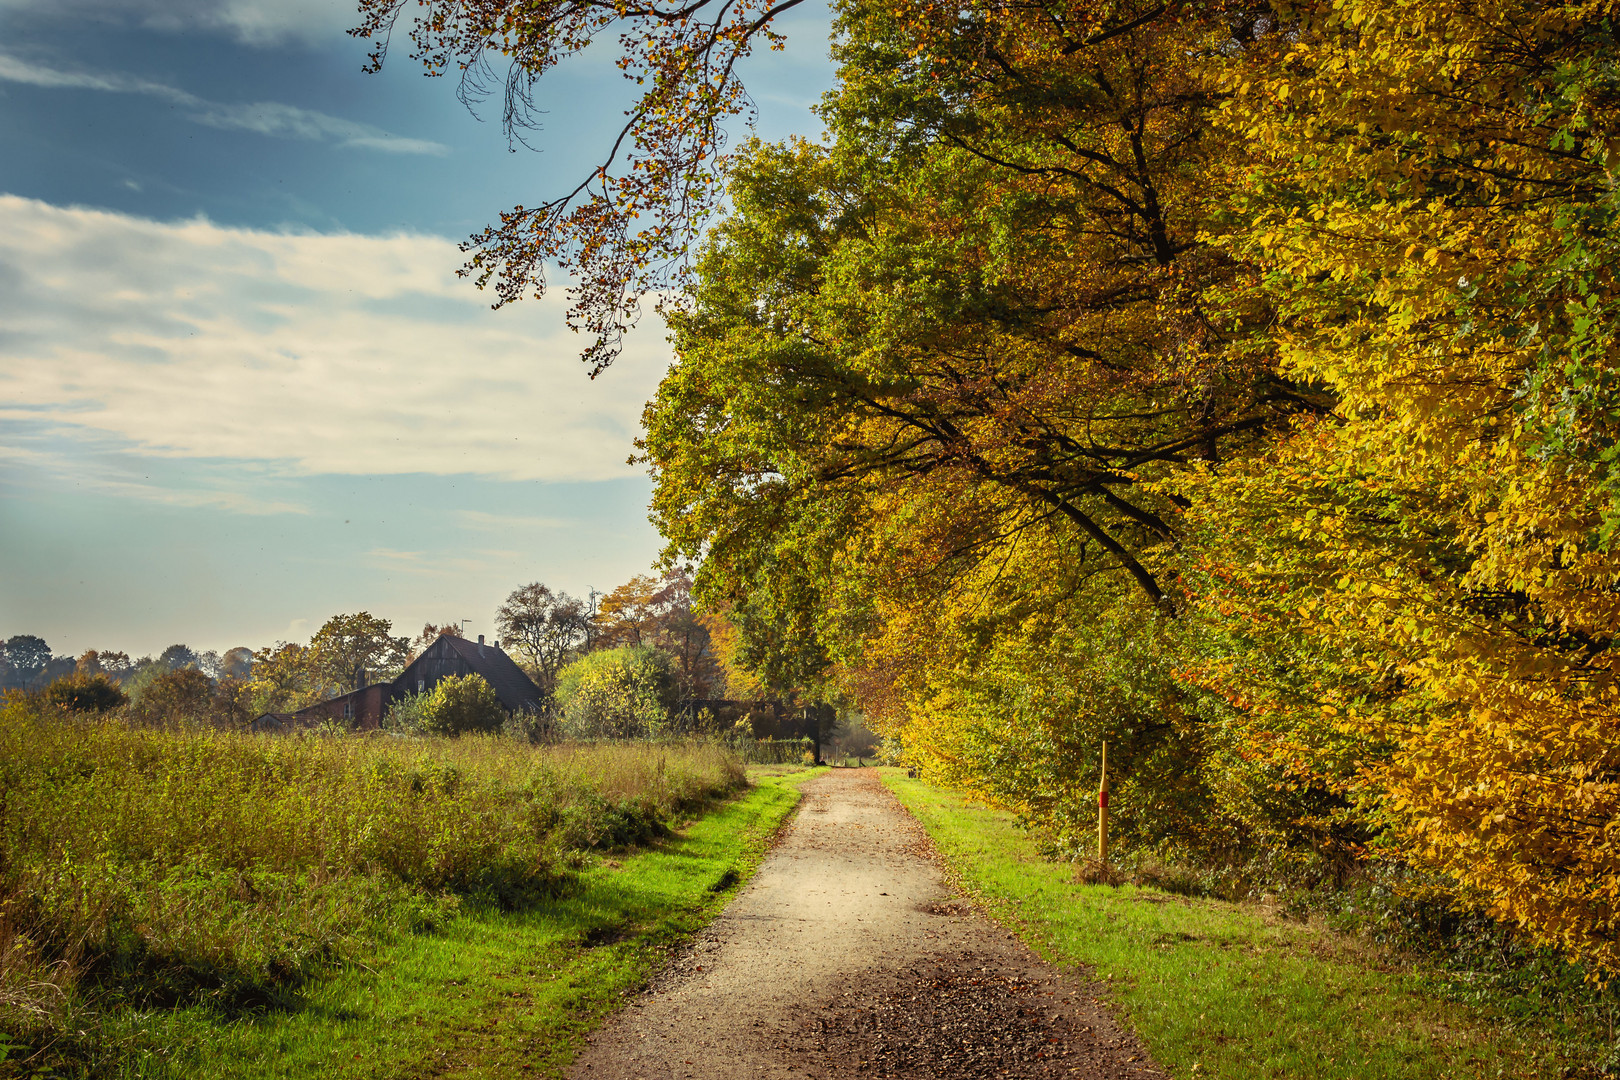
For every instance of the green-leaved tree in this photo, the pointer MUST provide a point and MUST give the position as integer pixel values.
(460, 704)
(622, 693)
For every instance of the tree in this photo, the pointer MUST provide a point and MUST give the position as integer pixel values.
(544, 627)
(27, 656)
(684, 634)
(656, 611)
(184, 694)
(628, 614)
(282, 678)
(1445, 265)
(622, 693)
(459, 704)
(237, 663)
(85, 693)
(735, 679)
(115, 665)
(348, 648)
(623, 230)
(984, 317)
(288, 676)
(176, 657)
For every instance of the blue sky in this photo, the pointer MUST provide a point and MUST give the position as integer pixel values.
(241, 388)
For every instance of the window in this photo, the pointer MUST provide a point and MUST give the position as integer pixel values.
(348, 710)
(420, 686)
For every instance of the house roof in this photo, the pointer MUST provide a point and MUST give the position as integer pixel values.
(325, 705)
(271, 719)
(515, 689)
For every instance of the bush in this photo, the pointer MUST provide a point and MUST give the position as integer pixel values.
(85, 693)
(177, 696)
(531, 727)
(460, 704)
(623, 693)
(407, 714)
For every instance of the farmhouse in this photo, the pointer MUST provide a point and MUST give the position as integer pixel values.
(363, 709)
(451, 655)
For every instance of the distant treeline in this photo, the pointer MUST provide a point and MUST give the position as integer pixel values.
(636, 662)
(27, 662)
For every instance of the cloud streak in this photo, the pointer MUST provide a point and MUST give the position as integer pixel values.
(271, 118)
(92, 474)
(261, 23)
(308, 353)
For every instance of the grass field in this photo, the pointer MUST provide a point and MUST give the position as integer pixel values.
(165, 893)
(490, 994)
(1223, 990)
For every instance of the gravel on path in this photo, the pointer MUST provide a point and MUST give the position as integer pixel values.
(849, 956)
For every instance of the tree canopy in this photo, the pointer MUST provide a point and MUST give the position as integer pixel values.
(620, 693)
(623, 229)
(543, 627)
(1232, 386)
(1234, 383)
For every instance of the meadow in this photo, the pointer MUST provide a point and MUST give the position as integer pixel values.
(1243, 991)
(151, 872)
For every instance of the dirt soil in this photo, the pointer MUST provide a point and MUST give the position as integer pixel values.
(849, 955)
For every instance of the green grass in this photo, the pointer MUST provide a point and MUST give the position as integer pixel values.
(491, 994)
(1217, 989)
(162, 890)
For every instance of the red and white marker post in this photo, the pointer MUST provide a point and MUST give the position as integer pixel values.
(1102, 810)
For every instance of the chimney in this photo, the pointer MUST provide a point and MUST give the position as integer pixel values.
(480, 639)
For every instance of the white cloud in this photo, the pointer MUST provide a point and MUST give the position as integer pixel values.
(291, 122)
(17, 70)
(253, 22)
(272, 118)
(314, 353)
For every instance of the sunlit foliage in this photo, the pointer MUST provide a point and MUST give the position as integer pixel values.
(622, 693)
(1235, 385)
(461, 704)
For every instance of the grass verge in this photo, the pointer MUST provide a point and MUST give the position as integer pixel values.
(1221, 990)
(491, 994)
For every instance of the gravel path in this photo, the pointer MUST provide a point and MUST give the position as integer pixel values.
(848, 955)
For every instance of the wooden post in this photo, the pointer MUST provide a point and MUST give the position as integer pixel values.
(1102, 810)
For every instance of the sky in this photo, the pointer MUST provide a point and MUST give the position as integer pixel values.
(241, 386)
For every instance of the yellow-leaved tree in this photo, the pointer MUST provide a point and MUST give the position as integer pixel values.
(1432, 194)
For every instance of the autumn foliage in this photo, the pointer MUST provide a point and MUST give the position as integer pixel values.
(1445, 266)
(1234, 384)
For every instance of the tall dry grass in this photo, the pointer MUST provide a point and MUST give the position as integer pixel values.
(152, 867)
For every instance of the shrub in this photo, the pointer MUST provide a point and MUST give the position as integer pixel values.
(186, 694)
(85, 693)
(532, 727)
(622, 693)
(460, 704)
(406, 715)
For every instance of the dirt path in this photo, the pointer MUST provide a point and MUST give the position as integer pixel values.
(848, 955)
